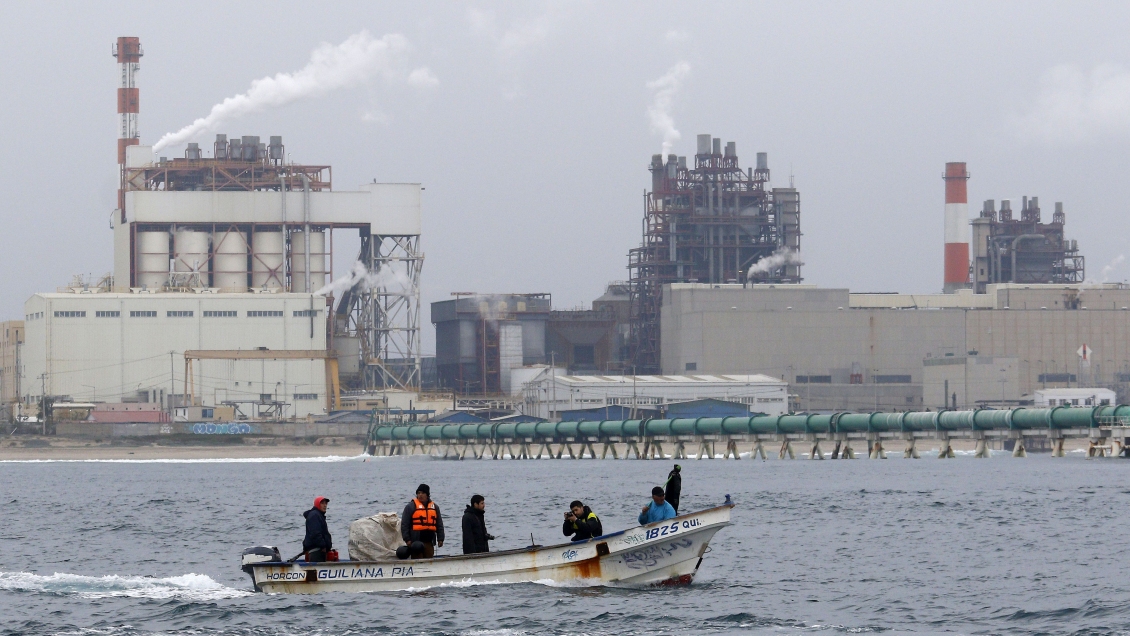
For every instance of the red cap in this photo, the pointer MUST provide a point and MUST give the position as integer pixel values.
(318, 501)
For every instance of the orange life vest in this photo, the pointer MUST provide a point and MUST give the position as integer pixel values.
(424, 518)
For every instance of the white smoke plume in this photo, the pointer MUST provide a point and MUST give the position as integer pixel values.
(783, 256)
(351, 63)
(392, 277)
(659, 113)
(1076, 105)
(1107, 270)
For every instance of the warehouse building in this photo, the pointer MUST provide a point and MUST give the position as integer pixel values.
(116, 347)
(847, 351)
(549, 394)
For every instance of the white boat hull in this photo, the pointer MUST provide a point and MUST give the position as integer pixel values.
(666, 552)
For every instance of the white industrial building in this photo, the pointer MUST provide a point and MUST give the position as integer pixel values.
(1045, 398)
(549, 393)
(112, 347)
(217, 292)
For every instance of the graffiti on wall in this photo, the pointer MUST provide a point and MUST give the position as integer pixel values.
(231, 428)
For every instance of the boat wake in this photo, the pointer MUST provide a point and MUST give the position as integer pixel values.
(187, 587)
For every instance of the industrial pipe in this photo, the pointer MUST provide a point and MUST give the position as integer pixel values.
(1015, 242)
(1060, 417)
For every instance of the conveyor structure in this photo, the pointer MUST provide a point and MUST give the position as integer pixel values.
(707, 433)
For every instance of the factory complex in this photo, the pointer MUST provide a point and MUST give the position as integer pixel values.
(224, 308)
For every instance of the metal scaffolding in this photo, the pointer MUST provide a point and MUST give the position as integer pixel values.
(388, 312)
(710, 224)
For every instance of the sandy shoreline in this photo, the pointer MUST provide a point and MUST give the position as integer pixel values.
(53, 448)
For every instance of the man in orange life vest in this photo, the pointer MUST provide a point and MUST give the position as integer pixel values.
(421, 525)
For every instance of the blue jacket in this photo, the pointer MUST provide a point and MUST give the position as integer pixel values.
(657, 513)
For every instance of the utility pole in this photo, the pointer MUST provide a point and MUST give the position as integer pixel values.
(43, 402)
(172, 384)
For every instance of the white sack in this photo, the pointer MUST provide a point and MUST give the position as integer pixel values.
(375, 538)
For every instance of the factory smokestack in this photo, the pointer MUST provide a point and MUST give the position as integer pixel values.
(957, 227)
(128, 53)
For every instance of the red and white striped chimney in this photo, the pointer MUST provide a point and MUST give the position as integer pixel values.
(957, 227)
(128, 53)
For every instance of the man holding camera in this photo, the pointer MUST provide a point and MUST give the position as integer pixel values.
(581, 522)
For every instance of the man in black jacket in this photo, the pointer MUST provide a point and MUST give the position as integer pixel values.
(581, 522)
(475, 535)
(318, 540)
(674, 486)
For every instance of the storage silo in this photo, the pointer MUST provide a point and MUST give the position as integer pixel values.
(298, 261)
(229, 260)
(267, 259)
(190, 255)
(152, 259)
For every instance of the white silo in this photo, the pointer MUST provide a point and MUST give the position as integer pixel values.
(152, 259)
(298, 261)
(267, 259)
(229, 260)
(190, 256)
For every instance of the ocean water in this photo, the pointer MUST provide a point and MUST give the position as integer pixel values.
(994, 546)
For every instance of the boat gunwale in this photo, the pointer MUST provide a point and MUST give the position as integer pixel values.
(487, 555)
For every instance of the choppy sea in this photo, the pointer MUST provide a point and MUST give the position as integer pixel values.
(971, 546)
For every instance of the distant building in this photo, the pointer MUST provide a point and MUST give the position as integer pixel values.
(860, 352)
(1074, 397)
(479, 338)
(11, 341)
(549, 395)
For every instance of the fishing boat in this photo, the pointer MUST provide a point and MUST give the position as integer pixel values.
(662, 553)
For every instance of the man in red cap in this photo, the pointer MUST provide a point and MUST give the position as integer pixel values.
(318, 541)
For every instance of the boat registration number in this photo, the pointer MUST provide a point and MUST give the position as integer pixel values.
(663, 531)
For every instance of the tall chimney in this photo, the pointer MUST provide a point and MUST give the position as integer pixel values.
(957, 227)
(128, 53)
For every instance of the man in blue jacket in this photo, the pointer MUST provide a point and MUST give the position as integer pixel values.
(658, 509)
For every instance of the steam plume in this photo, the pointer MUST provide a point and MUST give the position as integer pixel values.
(783, 256)
(393, 277)
(659, 113)
(348, 64)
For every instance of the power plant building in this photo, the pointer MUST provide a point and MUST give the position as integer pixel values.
(223, 263)
(845, 351)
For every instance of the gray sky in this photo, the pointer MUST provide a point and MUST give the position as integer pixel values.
(528, 123)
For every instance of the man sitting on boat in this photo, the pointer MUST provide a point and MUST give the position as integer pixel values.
(422, 523)
(581, 522)
(475, 535)
(658, 509)
(318, 541)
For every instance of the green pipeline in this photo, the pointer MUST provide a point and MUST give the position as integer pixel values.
(1060, 417)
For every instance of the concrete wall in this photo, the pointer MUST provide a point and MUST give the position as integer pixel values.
(110, 357)
(803, 331)
(974, 379)
(203, 429)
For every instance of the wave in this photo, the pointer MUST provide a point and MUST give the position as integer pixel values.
(213, 460)
(187, 587)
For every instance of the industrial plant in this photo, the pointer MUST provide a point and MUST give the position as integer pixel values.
(221, 292)
(224, 310)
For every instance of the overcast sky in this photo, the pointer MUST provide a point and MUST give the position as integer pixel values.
(531, 124)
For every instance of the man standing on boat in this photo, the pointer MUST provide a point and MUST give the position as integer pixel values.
(673, 487)
(581, 522)
(475, 535)
(421, 522)
(318, 541)
(658, 509)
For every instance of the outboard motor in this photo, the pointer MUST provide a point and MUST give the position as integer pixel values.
(259, 554)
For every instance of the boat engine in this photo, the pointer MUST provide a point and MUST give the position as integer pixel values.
(259, 554)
